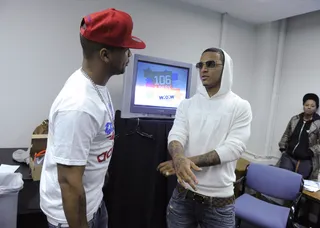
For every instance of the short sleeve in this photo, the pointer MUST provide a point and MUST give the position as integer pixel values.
(73, 133)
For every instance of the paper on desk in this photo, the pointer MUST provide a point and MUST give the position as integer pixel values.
(8, 168)
(311, 186)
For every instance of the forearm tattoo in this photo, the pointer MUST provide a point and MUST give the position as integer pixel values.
(175, 148)
(209, 159)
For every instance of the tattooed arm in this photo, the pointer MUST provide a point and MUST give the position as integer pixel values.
(177, 139)
(208, 159)
(183, 165)
(73, 195)
(235, 143)
(175, 149)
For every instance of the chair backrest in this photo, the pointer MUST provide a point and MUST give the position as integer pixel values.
(274, 181)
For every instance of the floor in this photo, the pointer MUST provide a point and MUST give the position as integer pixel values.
(39, 221)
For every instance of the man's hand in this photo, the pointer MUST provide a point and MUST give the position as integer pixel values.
(166, 168)
(183, 166)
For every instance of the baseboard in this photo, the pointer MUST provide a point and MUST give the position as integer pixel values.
(252, 157)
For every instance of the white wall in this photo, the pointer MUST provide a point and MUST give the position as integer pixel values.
(261, 85)
(300, 71)
(239, 41)
(40, 49)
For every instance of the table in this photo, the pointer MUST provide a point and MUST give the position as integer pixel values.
(137, 194)
(241, 166)
(315, 196)
(313, 201)
(240, 172)
(29, 197)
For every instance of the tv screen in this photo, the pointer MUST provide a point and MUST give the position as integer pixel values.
(154, 87)
(160, 85)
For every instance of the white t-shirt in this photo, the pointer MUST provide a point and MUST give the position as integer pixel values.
(80, 133)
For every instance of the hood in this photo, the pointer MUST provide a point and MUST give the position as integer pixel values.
(314, 118)
(226, 81)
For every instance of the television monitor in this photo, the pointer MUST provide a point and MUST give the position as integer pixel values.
(158, 85)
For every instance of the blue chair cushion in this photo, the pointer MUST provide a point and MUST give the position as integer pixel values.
(261, 213)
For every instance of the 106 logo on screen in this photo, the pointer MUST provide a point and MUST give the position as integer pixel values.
(158, 79)
(162, 80)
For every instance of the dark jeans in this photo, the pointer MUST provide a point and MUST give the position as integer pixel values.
(304, 167)
(185, 213)
(100, 218)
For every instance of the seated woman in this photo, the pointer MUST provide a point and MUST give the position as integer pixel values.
(299, 144)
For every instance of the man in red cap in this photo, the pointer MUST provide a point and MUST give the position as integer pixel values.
(81, 125)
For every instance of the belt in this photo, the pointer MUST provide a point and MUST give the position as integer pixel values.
(213, 201)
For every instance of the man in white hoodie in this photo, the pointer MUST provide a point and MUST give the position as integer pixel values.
(209, 135)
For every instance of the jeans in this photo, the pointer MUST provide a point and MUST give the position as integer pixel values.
(100, 218)
(185, 213)
(289, 163)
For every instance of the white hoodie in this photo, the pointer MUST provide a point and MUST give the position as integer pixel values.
(221, 123)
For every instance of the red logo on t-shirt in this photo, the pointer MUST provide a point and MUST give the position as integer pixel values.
(105, 155)
(112, 136)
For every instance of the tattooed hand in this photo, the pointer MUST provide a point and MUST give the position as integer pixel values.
(166, 168)
(183, 166)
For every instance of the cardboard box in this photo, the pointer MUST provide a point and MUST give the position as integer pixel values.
(39, 143)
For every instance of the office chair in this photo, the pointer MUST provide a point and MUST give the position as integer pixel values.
(271, 181)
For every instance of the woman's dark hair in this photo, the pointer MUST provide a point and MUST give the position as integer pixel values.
(311, 96)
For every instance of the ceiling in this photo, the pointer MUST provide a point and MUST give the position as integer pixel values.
(259, 11)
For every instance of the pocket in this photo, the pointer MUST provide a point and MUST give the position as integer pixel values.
(226, 211)
(91, 222)
(178, 207)
(178, 195)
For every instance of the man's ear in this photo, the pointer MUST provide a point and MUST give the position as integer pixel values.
(105, 55)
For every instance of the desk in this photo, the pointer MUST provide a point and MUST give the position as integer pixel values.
(315, 196)
(312, 208)
(240, 172)
(29, 198)
(241, 167)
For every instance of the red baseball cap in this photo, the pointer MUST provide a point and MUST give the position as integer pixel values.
(110, 27)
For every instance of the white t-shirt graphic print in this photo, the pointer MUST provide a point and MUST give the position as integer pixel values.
(80, 133)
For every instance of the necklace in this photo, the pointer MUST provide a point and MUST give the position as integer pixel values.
(108, 107)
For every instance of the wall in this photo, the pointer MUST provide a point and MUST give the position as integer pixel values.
(238, 39)
(40, 49)
(261, 86)
(300, 71)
